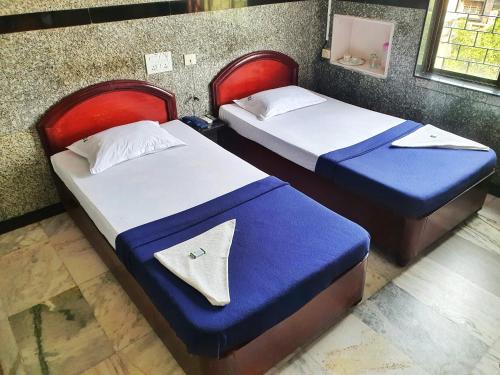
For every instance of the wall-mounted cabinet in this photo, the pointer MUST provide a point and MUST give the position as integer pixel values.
(362, 44)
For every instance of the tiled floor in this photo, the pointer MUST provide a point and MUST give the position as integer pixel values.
(62, 312)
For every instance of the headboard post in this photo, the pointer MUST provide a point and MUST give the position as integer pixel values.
(251, 73)
(102, 106)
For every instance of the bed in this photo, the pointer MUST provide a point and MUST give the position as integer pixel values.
(286, 287)
(406, 198)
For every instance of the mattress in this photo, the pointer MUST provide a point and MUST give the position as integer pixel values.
(154, 186)
(303, 135)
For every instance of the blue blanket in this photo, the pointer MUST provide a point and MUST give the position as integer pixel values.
(286, 249)
(413, 182)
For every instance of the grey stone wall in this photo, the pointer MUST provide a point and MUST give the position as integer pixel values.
(38, 68)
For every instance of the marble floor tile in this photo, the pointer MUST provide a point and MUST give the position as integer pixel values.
(490, 363)
(80, 259)
(438, 316)
(60, 336)
(383, 267)
(111, 366)
(22, 237)
(10, 357)
(454, 297)
(471, 261)
(373, 283)
(117, 314)
(352, 347)
(489, 198)
(481, 231)
(149, 356)
(491, 211)
(60, 229)
(299, 363)
(30, 276)
(433, 342)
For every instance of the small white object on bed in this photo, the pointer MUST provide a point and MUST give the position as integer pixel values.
(429, 136)
(270, 103)
(154, 186)
(208, 272)
(121, 143)
(305, 134)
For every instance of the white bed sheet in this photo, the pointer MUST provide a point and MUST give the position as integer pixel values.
(303, 135)
(154, 186)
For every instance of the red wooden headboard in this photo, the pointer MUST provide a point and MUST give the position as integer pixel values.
(251, 73)
(102, 106)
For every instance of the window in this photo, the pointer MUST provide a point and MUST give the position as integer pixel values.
(464, 40)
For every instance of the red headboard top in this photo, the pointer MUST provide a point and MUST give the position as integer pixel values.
(251, 73)
(103, 106)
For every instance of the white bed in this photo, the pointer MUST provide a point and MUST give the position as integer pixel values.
(303, 135)
(154, 186)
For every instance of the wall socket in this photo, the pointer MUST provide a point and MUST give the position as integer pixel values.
(326, 53)
(158, 62)
(190, 59)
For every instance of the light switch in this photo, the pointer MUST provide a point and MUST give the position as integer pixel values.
(190, 59)
(158, 62)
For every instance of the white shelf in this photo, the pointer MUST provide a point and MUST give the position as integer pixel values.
(378, 72)
(360, 37)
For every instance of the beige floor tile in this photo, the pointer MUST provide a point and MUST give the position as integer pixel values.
(22, 237)
(469, 260)
(10, 357)
(373, 283)
(489, 198)
(354, 348)
(300, 363)
(491, 210)
(60, 229)
(31, 275)
(110, 366)
(482, 231)
(117, 314)
(149, 356)
(382, 266)
(490, 363)
(454, 297)
(60, 336)
(37, 259)
(80, 259)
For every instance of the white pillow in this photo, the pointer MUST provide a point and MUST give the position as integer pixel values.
(122, 143)
(269, 103)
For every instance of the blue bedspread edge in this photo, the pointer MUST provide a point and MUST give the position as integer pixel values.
(413, 182)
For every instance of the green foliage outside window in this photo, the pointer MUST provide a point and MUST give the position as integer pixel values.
(472, 54)
(463, 37)
(488, 41)
(475, 51)
(493, 57)
(455, 65)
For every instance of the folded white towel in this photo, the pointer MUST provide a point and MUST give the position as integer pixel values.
(429, 136)
(207, 273)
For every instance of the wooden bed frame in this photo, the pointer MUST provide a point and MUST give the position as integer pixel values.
(113, 103)
(402, 238)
